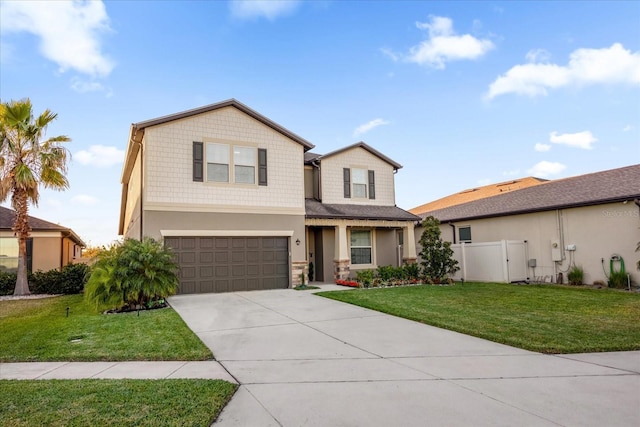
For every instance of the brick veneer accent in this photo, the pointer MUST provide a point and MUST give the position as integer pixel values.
(341, 269)
(297, 268)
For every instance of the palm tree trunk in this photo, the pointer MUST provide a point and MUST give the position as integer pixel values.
(22, 229)
(22, 282)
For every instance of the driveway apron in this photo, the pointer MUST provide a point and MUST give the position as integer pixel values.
(303, 360)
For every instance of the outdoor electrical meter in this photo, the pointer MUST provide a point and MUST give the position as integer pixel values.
(556, 250)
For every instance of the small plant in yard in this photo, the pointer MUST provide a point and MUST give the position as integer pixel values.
(617, 279)
(576, 275)
(365, 277)
(132, 274)
(311, 272)
(437, 255)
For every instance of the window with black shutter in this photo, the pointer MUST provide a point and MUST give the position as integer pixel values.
(372, 185)
(346, 172)
(262, 166)
(198, 157)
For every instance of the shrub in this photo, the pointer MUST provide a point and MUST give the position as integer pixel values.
(576, 275)
(311, 272)
(134, 273)
(69, 280)
(365, 277)
(411, 271)
(617, 279)
(386, 273)
(436, 254)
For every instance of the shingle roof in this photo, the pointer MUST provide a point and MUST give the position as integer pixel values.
(316, 209)
(477, 193)
(8, 217)
(584, 190)
(310, 157)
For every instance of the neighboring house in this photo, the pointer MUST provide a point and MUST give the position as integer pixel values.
(225, 188)
(50, 246)
(477, 193)
(583, 220)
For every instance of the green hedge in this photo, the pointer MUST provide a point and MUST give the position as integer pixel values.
(69, 280)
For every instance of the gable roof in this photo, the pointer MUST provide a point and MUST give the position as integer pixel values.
(370, 149)
(610, 186)
(316, 209)
(477, 193)
(8, 218)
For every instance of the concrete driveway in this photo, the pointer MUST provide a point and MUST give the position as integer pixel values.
(303, 360)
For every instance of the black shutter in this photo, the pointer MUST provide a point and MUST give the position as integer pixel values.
(262, 166)
(198, 157)
(346, 172)
(372, 184)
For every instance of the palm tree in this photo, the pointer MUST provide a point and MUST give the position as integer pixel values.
(26, 163)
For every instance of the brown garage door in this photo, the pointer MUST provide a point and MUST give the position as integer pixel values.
(226, 264)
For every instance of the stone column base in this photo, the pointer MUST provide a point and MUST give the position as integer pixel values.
(409, 260)
(341, 269)
(298, 268)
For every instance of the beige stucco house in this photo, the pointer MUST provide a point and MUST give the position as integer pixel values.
(584, 220)
(51, 246)
(244, 205)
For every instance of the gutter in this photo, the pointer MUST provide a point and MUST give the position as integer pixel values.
(453, 226)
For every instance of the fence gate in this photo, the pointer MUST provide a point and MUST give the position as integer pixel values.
(504, 261)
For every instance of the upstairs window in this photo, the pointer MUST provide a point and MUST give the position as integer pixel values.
(359, 183)
(359, 178)
(217, 162)
(244, 164)
(212, 162)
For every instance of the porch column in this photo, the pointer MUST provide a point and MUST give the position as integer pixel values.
(341, 259)
(409, 244)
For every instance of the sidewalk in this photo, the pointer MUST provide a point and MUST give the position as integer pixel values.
(113, 370)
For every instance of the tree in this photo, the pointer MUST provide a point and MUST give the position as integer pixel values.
(132, 273)
(436, 255)
(26, 163)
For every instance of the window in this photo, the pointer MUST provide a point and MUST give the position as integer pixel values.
(247, 162)
(359, 183)
(361, 247)
(9, 254)
(244, 164)
(217, 162)
(464, 234)
(359, 178)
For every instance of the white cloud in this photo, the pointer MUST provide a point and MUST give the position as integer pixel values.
(270, 9)
(542, 147)
(368, 126)
(68, 31)
(100, 155)
(544, 169)
(484, 181)
(84, 199)
(627, 128)
(538, 55)
(582, 140)
(443, 45)
(612, 65)
(84, 86)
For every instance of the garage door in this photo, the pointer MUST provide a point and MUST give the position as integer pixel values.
(226, 264)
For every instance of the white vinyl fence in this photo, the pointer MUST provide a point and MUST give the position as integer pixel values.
(504, 261)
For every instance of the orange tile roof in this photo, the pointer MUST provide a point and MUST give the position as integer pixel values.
(477, 193)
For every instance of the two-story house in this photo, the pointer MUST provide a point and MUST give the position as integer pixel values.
(244, 205)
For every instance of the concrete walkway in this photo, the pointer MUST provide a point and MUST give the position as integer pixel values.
(306, 360)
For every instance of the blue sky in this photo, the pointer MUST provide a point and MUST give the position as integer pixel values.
(462, 94)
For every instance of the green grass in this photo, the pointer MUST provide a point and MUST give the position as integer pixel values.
(39, 330)
(548, 319)
(112, 402)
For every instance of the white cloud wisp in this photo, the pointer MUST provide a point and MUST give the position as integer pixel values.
(542, 147)
(369, 126)
(612, 65)
(544, 169)
(443, 45)
(270, 9)
(584, 140)
(101, 156)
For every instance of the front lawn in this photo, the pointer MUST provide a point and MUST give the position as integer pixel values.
(544, 318)
(113, 402)
(39, 330)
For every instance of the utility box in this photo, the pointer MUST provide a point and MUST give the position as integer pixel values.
(556, 250)
(533, 263)
(571, 247)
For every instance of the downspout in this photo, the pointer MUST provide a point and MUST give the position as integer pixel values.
(141, 190)
(317, 166)
(453, 227)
